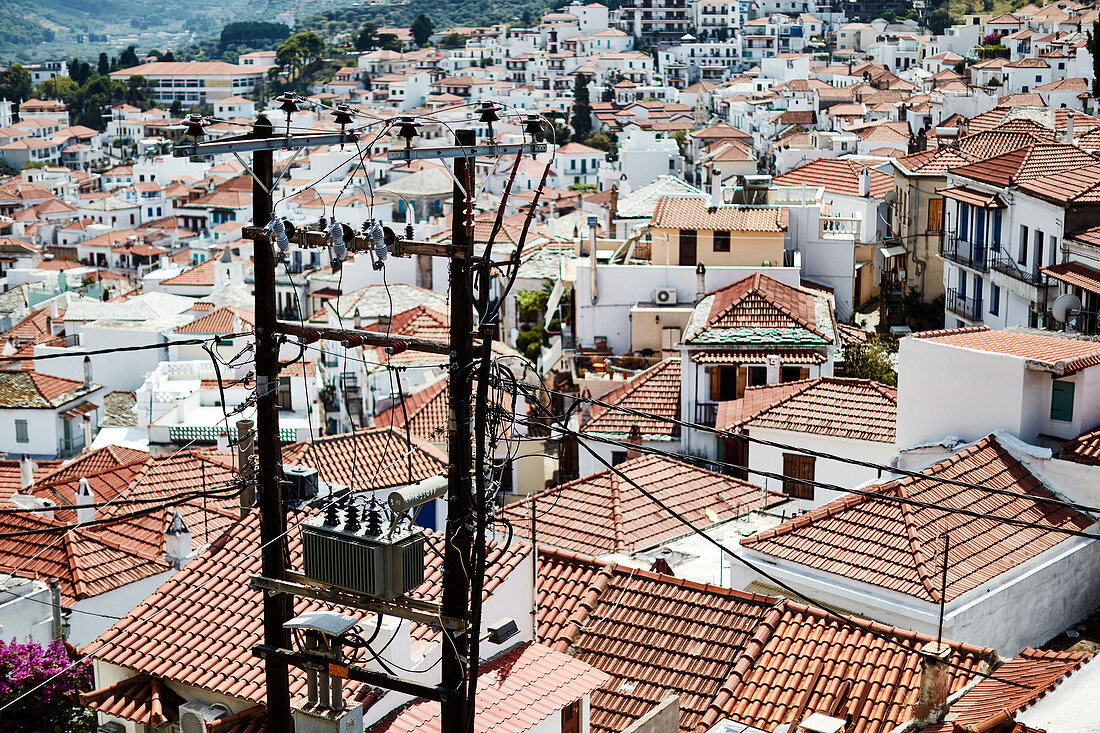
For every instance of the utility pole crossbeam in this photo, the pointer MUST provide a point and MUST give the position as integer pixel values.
(251, 143)
(489, 150)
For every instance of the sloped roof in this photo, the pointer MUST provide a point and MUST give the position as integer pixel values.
(640, 204)
(1027, 164)
(683, 212)
(875, 540)
(373, 301)
(141, 699)
(837, 176)
(1048, 347)
(344, 459)
(655, 390)
(28, 390)
(200, 274)
(221, 321)
(601, 513)
(758, 310)
(519, 689)
(856, 409)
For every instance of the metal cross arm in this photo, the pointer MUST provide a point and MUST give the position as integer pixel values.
(246, 143)
(315, 239)
(488, 150)
(355, 337)
(356, 674)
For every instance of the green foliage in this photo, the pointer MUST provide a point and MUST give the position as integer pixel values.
(529, 342)
(253, 33)
(582, 109)
(103, 66)
(921, 316)
(61, 88)
(15, 84)
(443, 13)
(452, 40)
(583, 187)
(128, 58)
(938, 21)
(681, 136)
(366, 40)
(33, 165)
(872, 360)
(422, 29)
(531, 303)
(298, 51)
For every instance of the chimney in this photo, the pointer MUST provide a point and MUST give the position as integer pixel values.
(612, 211)
(86, 428)
(715, 188)
(771, 368)
(585, 413)
(87, 372)
(177, 542)
(634, 438)
(865, 182)
(26, 472)
(1069, 129)
(700, 282)
(244, 465)
(85, 514)
(931, 701)
(357, 320)
(592, 256)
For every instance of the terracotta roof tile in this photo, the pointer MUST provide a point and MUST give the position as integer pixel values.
(375, 453)
(837, 177)
(601, 513)
(894, 545)
(1057, 351)
(689, 212)
(141, 699)
(757, 311)
(856, 409)
(224, 320)
(201, 274)
(566, 581)
(655, 390)
(519, 689)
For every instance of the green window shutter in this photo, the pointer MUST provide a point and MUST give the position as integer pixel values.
(1061, 400)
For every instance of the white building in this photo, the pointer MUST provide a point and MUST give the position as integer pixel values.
(195, 82)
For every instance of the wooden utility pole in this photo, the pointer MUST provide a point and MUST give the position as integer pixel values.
(277, 608)
(457, 566)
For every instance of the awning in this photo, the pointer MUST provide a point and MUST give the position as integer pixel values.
(1074, 273)
(893, 251)
(757, 356)
(82, 409)
(969, 196)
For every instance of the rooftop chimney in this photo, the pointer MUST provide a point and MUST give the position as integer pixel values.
(87, 372)
(85, 514)
(1069, 129)
(715, 188)
(865, 182)
(771, 368)
(613, 210)
(931, 701)
(26, 471)
(635, 440)
(592, 258)
(700, 282)
(177, 541)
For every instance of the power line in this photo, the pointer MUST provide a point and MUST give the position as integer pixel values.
(120, 349)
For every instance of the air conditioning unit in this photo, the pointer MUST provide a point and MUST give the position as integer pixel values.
(197, 717)
(347, 555)
(665, 296)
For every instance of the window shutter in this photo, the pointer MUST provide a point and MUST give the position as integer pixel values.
(804, 373)
(935, 215)
(715, 383)
(798, 467)
(1061, 400)
(742, 380)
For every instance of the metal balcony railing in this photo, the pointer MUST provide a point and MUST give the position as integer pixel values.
(1004, 264)
(960, 305)
(967, 254)
(706, 414)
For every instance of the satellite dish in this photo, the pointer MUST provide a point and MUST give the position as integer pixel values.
(1065, 307)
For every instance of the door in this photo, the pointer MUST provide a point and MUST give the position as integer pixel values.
(571, 718)
(688, 239)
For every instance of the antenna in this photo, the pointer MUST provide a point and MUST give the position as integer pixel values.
(1065, 307)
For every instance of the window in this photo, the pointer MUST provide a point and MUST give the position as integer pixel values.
(284, 394)
(721, 241)
(964, 221)
(994, 299)
(796, 466)
(617, 457)
(935, 215)
(1061, 400)
(1022, 259)
(21, 435)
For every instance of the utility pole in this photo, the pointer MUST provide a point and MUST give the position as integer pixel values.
(457, 555)
(277, 608)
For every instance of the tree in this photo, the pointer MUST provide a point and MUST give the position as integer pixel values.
(525, 19)
(168, 57)
(452, 40)
(1093, 45)
(103, 66)
(79, 71)
(139, 90)
(366, 39)
(40, 689)
(422, 29)
(16, 84)
(176, 108)
(873, 360)
(601, 141)
(582, 109)
(938, 21)
(62, 88)
(128, 58)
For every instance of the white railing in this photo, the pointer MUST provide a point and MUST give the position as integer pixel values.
(839, 226)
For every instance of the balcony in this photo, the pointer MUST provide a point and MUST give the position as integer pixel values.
(1005, 265)
(706, 414)
(964, 307)
(967, 254)
(67, 447)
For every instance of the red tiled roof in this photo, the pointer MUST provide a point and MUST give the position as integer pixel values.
(566, 581)
(208, 610)
(985, 706)
(1077, 184)
(9, 475)
(602, 513)
(1070, 354)
(759, 301)
(517, 691)
(376, 453)
(895, 546)
(1027, 164)
(682, 212)
(27, 389)
(837, 177)
(757, 356)
(425, 412)
(856, 409)
(803, 658)
(1085, 448)
(1077, 274)
(141, 699)
(967, 195)
(655, 390)
(224, 320)
(35, 325)
(201, 274)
